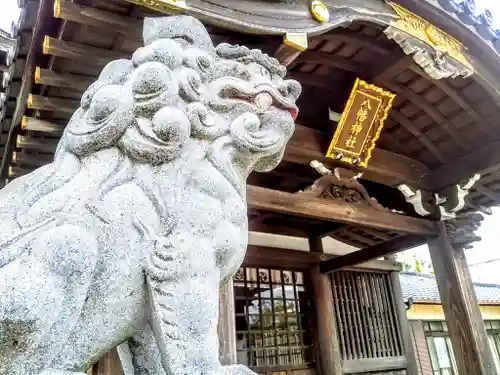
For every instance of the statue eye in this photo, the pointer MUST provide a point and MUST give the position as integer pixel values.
(264, 72)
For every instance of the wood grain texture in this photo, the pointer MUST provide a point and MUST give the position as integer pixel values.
(404, 326)
(335, 210)
(424, 365)
(264, 256)
(43, 19)
(80, 52)
(373, 252)
(327, 348)
(384, 167)
(461, 308)
(71, 81)
(34, 124)
(227, 325)
(360, 366)
(108, 365)
(89, 16)
(52, 104)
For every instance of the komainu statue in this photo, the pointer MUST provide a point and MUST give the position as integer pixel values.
(125, 238)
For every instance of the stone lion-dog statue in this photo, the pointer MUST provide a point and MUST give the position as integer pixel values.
(127, 236)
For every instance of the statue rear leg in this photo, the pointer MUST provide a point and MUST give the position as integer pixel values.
(42, 293)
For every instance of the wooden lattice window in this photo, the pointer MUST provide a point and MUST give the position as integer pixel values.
(272, 323)
(366, 315)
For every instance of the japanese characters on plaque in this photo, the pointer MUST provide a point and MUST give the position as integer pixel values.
(360, 124)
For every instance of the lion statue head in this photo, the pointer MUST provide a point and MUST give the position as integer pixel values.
(181, 93)
(150, 177)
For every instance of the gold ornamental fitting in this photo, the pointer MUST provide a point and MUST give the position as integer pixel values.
(38, 74)
(46, 45)
(296, 40)
(57, 8)
(320, 11)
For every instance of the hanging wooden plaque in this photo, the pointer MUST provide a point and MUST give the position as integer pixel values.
(360, 124)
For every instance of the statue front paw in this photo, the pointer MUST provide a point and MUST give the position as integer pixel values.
(237, 370)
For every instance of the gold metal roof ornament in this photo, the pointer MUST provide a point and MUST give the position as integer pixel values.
(320, 11)
(437, 53)
(165, 6)
(360, 124)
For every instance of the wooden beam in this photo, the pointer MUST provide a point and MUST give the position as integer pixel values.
(483, 161)
(43, 22)
(380, 46)
(316, 80)
(494, 196)
(80, 52)
(431, 111)
(335, 210)
(443, 85)
(387, 70)
(411, 128)
(21, 158)
(402, 318)
(227, 325)
(70, 81)
(34, 124)
(123, 25)
(333, 61)
(461, 308)
(291, 48)
(265, 256)
(109, 364)
(380, 365)
(328, 230)
(52, 104)
(384, 167)
(373, 252)
(327, 346)
(16, 172)
(37, 144)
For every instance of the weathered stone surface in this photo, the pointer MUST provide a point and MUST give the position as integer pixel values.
(127, 235)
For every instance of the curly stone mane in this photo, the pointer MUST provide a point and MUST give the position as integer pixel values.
(148, 185)
(178, 93)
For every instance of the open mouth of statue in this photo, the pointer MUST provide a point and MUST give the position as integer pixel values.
(261, 98)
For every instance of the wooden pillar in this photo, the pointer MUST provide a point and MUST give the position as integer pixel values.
(227, 325)
(327, 345)
(461, 309)
(404, 325)
(109, 364)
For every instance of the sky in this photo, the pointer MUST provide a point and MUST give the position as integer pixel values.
(488, 249)
(9, 12)
(483, 258)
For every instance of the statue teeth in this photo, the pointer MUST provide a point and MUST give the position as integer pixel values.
(263, 101)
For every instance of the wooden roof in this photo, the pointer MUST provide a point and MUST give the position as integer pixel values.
(438, 133)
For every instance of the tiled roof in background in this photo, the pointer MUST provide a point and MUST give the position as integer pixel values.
(422, 287)
(482, 15)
